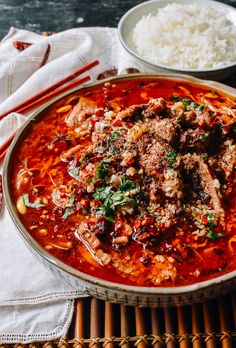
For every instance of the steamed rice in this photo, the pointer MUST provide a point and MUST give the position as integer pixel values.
(186, 36)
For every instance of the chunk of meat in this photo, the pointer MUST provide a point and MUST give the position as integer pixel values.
(228, 159)
(83, 231)
(152, 141)
(121, 240)
(194, 139)
(204, 119)
(200, 116)
(136, 132)
(155, 107)
(152, 156)
(66, 155)
(164, 130)
(131, 111)
(178, 109)
(194, 162)
(125, 267)
(80, 110)
(92, 243)
(103, 258)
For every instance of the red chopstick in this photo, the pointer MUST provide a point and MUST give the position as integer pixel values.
(58, 91)
(7, 143)
(4, 147)
(44, 96)
(50, 89)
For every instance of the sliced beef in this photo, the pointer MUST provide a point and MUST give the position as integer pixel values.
(131, 111)
(204, 119)
(151, 143)
(68, 154)
(228, 159)
(177, 109)
(155, 107)
(80, 110)
(155, 162)
(164, 130)
(195, 163)
(198, 140)
(92, 243)
(152, 156)
(193, 117)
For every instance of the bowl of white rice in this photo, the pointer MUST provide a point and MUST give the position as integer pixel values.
(195, 37)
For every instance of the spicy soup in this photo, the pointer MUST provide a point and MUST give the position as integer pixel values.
(133, 181)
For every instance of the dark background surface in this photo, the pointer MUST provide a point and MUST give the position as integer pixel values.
(41, 15)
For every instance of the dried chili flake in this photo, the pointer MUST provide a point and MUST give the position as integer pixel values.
(107, 73)
(21, 45)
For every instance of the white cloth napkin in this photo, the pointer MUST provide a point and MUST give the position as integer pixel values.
(34, 304)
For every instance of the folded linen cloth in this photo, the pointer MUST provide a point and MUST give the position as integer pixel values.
(34, 304)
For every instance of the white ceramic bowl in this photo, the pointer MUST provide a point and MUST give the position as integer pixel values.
(107, 290)
(133, 16)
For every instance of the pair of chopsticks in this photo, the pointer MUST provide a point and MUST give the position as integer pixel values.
(45, 95)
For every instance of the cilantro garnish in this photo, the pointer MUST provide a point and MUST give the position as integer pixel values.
(98, 149)
(171, 154)
(153, 213)
(102, 193)
(214, 235)
(126, 184)
(69, 205)
(31, 205)
(102, 169)
(83, 158)
(175, 98)
(67, 213)
(72, 200)
(211, 224)
(200, 108)
(192, 105)
(180, 119)
(114, 135)
(188, 103)
(210, 219)
(204, 137)
(143, 117)
(112, 199)
(204, 155)
(76, 170)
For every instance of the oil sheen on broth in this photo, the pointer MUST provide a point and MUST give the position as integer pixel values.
(133, 181)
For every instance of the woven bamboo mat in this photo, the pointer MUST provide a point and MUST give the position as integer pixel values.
(102, 324)
(98, 324)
